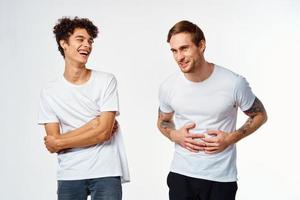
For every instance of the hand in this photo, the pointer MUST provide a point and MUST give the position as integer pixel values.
(51, 144)
(217, 143)
(188, 140)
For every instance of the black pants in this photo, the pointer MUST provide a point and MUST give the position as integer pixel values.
(187, 188)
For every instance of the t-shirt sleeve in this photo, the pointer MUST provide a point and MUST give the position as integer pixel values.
(244, 96)
(164, 102)
(45, 113)
(110, 97)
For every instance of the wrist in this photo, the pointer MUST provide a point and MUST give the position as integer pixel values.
(172, 135)
(232, 137)
(59, 144)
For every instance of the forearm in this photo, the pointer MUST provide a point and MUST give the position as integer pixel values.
(91, 137)
(251, 125)
(96, 131)
(165, 124)
(166, 127)
(81, 130)
(257, 117)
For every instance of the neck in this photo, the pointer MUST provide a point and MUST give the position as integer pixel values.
(202, 71)
(76, 73)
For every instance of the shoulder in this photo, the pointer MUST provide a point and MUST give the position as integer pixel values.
(226, 73)
(104, 78)
(232, 78)
(103, 75)
(238, 82)
(170, 81)
(51, 87)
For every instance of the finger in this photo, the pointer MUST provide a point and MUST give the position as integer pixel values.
(213, 132)
(199, 143)
(189, 126)
(211, 152)
(209, 140)
(195, 135)
(212, 144)
(211, 149)
(192, 150)
(194, 147)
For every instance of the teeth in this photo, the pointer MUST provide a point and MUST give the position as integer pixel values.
(83, 52)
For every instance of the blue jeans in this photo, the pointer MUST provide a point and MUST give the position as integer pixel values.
(107, 188)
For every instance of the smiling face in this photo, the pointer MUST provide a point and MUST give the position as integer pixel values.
(187, 55)
(79, 46)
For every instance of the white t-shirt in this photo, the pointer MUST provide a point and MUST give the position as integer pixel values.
(73, 106)
(212, 105)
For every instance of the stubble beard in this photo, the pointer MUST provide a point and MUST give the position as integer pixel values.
(189, 69)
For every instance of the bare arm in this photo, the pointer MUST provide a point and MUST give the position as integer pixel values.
(52, 131)
(257, 117)
(96, 131)
(165, 123)
(181, 136)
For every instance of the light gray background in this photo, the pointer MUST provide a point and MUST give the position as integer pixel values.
(258, 39)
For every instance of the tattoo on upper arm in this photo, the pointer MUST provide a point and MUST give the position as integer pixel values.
(257, 107)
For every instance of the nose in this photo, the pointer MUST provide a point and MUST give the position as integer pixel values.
(87, 44)
(180, 56)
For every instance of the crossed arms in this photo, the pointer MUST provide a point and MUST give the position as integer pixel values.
(257, 117)
(94, 132)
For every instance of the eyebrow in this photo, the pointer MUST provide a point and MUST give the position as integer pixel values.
(83, 37)
(79, 36)
(180, 48)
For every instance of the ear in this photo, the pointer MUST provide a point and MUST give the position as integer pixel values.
(63, 44)
(202, 45)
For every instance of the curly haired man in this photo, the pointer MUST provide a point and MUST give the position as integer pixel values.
(78, 111)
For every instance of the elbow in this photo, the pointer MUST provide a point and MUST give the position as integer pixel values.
(158, 125)
(265, 118)
(103, 136)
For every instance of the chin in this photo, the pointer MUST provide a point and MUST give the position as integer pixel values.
(186, 70)
(82, 61)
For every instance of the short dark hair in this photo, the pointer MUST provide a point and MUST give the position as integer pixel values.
(187, 27)
(66, 26)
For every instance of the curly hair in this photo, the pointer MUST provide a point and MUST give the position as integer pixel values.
(187, 27)
(66, 26)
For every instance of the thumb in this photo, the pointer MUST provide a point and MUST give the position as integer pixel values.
(189, 126)
(213, 132)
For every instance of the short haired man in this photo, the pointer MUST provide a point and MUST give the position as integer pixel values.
(204, 100)
(78, 111)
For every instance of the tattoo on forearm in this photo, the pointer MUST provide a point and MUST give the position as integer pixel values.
(167, 124)
(246, 126)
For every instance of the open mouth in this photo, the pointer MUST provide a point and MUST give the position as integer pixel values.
(84, 53)
(184, 64)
